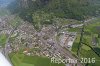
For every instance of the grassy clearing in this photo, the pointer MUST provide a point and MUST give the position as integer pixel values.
(86, 52)
(20, 59)
(90, 54)
(76, 43)
(92, 27)
(86, 47)
(69, 21)
(74, 30)
(3, 39)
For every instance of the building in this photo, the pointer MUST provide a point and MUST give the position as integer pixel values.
(67, 39)
(4, 61)
(94, 41)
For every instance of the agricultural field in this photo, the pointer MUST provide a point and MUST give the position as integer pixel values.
(90, 31)
(19, 59)
(3, 39)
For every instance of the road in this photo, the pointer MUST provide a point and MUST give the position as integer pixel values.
(7, 47)
(62, 50)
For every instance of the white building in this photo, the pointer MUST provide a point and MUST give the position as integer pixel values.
(67, 39)
(4, 61)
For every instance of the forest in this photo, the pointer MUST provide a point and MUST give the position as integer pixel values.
(43, 11)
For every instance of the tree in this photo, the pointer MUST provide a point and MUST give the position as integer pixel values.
(41, 18)
(99, 35)
(70, 9)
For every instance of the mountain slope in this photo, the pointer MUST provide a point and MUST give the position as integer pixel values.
(73, 9)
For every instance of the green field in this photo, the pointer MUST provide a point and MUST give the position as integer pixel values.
(20, 59)
(87, 52)
(3, 39)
